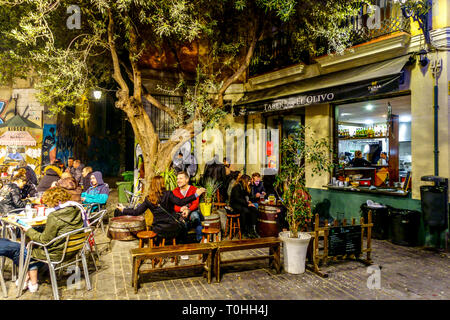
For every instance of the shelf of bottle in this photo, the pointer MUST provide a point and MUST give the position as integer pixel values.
(361, 138)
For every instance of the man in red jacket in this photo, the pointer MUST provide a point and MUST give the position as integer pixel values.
(189, 212)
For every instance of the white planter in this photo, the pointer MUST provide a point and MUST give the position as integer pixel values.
(294, 251)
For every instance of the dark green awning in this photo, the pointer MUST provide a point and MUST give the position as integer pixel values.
(18, 121)
(318, 85)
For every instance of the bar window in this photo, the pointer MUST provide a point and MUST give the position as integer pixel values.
(373, 144)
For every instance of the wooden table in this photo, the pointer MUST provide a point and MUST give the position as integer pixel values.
(12, 222)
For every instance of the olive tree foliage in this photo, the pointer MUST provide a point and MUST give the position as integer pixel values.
(115, 35)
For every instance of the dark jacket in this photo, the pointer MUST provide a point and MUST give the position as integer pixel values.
(232, 176)
(29, 190)
(51, 175)
(360, 162)
(215, 171)
(71, 186)
(97, 194)
(164, 222)
(85, 182)
(257, 189)
(10, 198)
(31, 175)
(238, 198)
(77, 173)
(58, 222)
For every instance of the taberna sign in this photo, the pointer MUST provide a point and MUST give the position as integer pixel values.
(281, 104)
(326, 95)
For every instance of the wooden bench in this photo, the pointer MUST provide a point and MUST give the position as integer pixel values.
(140, 254)
(272, 243)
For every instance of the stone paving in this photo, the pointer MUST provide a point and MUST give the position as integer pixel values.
(406, 273)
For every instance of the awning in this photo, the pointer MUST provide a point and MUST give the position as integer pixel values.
(366, 80)
(21, 122)
(17, 138)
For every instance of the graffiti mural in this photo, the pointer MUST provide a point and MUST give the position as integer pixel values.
(64, 147)
(49, 144)
(3, 105)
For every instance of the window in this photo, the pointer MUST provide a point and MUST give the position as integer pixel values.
(373, 142)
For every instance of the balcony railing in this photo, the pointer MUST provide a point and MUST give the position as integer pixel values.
(384, 17)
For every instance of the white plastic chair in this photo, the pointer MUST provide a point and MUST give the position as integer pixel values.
(75, 242)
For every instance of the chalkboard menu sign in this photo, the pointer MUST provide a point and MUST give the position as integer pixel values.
(344, 240)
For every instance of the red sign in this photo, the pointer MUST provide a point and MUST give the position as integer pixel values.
(269, 148)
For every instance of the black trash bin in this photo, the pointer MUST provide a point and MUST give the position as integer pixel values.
(404, 226)
(380, 220)
(434, 201)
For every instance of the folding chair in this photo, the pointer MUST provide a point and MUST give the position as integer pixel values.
(75, 245)
(133, 198)
(9, 232)
(95, 222)
(92, 209)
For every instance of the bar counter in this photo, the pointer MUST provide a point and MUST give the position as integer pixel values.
(385, 191)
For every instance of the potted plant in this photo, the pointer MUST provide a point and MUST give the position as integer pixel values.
(170, 178)
(211, 186)
(298, 152)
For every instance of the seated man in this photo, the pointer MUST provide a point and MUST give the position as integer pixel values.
(98, 192)
(190, 212)
(257, 189)
(61, 220)
(77, 171)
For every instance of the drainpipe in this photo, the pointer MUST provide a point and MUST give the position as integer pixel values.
(436, 67)
(436, 130)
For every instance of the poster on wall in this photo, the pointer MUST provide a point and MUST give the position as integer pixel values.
(49, 144)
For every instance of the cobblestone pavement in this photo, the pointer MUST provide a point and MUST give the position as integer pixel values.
(406, 273)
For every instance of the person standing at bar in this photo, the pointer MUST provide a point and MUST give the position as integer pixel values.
(359, 161)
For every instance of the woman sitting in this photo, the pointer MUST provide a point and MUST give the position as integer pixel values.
(51, 174)
(60, 221)
(239, 201)
(161, 203)
(10, 194)
(69, 183)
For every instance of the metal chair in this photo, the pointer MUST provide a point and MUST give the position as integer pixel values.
(133, 199)
(9, 232)
(95, 222)
(75, 244)
(92, 209)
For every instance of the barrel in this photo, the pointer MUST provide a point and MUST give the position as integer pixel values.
(267, 221)
(125, 227)
(212, 221)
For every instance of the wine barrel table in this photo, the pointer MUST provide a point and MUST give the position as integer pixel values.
(268, 225)
(125, 227)
(212, 221)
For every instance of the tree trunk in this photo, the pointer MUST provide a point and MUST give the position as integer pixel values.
(157, 156)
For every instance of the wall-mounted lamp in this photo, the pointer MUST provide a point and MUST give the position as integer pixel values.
(423, 60)
(97, 94)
